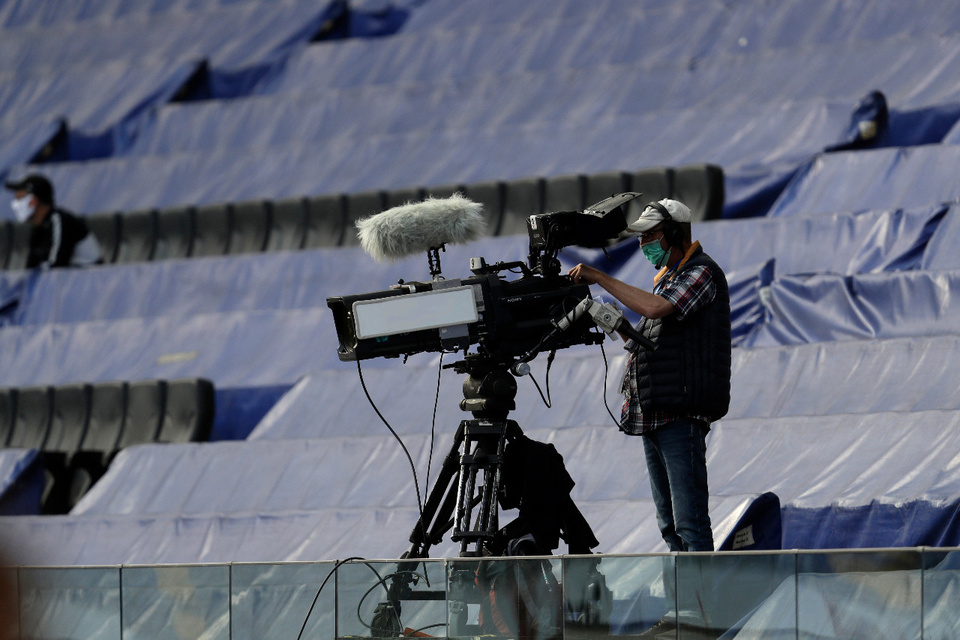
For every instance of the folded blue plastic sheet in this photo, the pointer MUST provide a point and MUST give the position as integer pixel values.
(458, 109)
(953, 136)
(941, 251)
(860, 422)
(450, 102)
(428, 154)
(367, 477)
(316, 535)
(857, 377)
(682, 28)
(21, 142)
(829, 308)
(15, 287)
(865, 467)
(842, 243)
(21, 482)
(99, 74)
(233, 349)
(878, 179)
(94, 99)
(251, 282)
(860, 376)
(230, 35)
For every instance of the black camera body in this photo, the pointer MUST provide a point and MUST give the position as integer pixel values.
(505, 318)
(512, 317)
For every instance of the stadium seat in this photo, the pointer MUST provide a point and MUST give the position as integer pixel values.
(19, 247)
(8, 413)
(68, 425)
(521, 199)
(31, 423)
(188, 411)
(138, 236)
(490, 195)
(70, 415)
(108, 406)
(211, 235)
(326, 218)
(106, 227)
(397, 197)
(603, 185)
(700, 187)
(249, 226)
(6, 239)
(108, 403)
(653, 184)
(288, 221)
(145, 406)
(360, 205)
(174, 233)
(564, 193)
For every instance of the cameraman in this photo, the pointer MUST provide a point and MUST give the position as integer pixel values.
(674, 392)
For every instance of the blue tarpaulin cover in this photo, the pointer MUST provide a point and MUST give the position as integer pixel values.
(845, 313)
(877, 179)
(519, 92)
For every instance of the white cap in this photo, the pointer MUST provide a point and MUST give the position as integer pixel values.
(652, 216)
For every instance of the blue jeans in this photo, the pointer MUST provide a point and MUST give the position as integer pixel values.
(677, 463)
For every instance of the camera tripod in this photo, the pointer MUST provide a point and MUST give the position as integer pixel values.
(469, 479)
(465, 499)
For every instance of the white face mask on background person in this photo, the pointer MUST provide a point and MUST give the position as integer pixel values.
(23, 208)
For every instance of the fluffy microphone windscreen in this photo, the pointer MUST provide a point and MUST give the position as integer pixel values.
(419, 226)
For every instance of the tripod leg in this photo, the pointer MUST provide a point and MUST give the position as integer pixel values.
(436, 513)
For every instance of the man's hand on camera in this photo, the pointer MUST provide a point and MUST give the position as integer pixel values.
(583, 274)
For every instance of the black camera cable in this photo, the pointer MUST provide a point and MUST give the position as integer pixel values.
(320, 590)
(606, 372)
(381, 580)
(413, 467)
(546, 399)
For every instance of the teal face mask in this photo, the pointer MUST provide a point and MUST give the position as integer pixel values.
(654, 253)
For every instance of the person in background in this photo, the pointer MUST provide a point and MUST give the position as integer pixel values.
(58, 238)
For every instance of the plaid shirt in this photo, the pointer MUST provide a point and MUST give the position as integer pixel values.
(687, 291)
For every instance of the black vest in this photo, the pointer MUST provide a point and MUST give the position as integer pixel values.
(689, 371)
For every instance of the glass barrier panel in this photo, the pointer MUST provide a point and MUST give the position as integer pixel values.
(617, 595)
(176, 603)
(859, 594)
(70, 603)
(505, 598)
(734, 595)
(387, 599)
(941, 593)
(291, 601)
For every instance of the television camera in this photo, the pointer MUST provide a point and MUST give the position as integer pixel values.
(509, 322)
